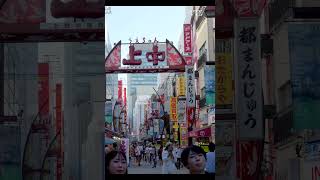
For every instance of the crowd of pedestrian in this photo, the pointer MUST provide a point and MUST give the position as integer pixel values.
(171, 158)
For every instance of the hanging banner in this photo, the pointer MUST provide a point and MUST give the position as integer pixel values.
(181, 86)
(173, 108)
(210, 81)
(191, 99)
(187, 38)
(249, 79)
(190, 116)
(224, 90)
(305, 68)
(182, 111)
(224, 14)
(108, 112)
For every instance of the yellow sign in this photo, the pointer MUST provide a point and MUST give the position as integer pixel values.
(181, 86)
(175, 125)
(224, 90)
(173, 109)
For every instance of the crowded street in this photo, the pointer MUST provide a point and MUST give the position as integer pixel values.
(160, 90)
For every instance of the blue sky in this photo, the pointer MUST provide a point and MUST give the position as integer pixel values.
(162, 22)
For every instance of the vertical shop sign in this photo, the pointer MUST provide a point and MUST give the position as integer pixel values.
(173, 108)
(187, 38)
(249, 79)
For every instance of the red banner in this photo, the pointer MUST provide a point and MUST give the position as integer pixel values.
(188, 60)
(224, 15)
(43, 93)
(59, 128)
(190, 115)
(125, 96)
(187, 38)
(250, 158)
(120, 90)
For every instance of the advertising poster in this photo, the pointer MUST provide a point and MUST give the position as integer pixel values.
(304, 43)
(249, 86)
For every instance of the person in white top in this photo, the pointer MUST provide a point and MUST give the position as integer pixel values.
(168, 166)
(211, 157)
(178, 155)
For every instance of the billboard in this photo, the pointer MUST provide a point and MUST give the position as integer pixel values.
(304, 40)
(249, 86)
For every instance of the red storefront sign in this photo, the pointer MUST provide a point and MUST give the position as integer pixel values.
(250, 157)
(205, 132)
(187, 38)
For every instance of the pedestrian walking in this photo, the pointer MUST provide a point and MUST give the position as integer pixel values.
(168, 166)
(154, 155)
(138, 155)
(160, 154)
(211, 157)
(115, 163)
(178, 155)
(194, 158)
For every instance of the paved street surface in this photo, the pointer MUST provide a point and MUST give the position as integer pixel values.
(147, 169)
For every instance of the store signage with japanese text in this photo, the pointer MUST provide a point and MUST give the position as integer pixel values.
(187, 38)
(181, 86)
(191, 99)
(249, 79)
(182, 111)
(224, 90)
(173, 108)
(145, 58)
